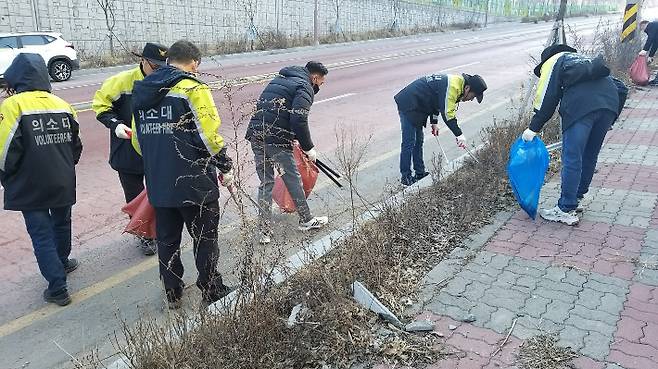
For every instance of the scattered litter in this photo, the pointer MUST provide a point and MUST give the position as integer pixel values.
(368, 300)
(292, 319)
(420, 326)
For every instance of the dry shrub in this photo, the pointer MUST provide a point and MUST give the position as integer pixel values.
(390, 256)
(606, 41)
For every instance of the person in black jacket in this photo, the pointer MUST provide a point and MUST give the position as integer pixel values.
(113, 108)
(589, 104)
(39, 148)
(651, 45)
(176, 130)
(281, 117)
(429, 97)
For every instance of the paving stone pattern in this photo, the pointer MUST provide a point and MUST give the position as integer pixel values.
(594, 286)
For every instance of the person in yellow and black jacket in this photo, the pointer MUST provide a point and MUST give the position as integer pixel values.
(113, 108)
(176, 130)
(589, 104)
(39, 148)
(429, 97)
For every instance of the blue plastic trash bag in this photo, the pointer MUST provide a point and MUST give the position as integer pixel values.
(528, 162)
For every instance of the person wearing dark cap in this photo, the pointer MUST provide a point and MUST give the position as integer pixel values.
(429, 97)
(39, 148)
(112, 105)
(589, 104)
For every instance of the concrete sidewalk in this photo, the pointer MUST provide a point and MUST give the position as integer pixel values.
(595, 286)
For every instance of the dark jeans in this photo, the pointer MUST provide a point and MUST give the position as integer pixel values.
(581, 144)
(50, 230)
(411, 148)
(265, 156)
(201, 223)
(132, 184)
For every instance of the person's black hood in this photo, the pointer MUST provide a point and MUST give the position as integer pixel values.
(148, 92)
(295, 71)
(28, 72)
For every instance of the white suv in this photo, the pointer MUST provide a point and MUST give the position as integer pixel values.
(60, 56)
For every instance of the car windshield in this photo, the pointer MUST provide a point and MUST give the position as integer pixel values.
(8, 42)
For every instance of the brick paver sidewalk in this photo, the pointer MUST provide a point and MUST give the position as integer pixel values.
(594, 285)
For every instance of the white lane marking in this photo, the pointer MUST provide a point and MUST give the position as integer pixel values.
(77, 86)
(459, 66)
(334, 98)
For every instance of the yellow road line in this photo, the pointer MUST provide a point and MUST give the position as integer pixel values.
(124, 275)
(89, 292)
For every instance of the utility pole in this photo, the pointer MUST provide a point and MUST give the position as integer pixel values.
(631, 15)
(486, 14)
(316, 26)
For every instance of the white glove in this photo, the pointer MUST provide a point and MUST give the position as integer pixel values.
(312, 154)
(123, 131)
(461, 141)
(435, 129)
(226, 179)
(642, 53)
(528, 135)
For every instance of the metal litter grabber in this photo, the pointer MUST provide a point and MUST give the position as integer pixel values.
(471, 154)
(333, 176)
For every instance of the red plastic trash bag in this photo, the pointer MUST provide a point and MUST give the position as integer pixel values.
(639, 71)
(309, 173)
(142, 217)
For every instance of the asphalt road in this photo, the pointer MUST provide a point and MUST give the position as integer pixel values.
(116, 283)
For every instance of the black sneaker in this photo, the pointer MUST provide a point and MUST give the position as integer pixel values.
(61, 299)
(70, 265)
(174, 298)
(421, 176)
(148, 246)
(220, 293)
(408, 181)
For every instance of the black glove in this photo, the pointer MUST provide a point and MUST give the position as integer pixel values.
(222, 161)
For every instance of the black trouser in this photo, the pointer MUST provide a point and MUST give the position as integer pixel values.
(132, 184)
(201, 223)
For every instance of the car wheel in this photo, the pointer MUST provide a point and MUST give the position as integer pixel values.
(60, 70)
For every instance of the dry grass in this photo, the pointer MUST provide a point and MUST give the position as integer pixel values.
(542, 352)
(390, 256)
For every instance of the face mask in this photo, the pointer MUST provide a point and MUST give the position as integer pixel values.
(316, 89)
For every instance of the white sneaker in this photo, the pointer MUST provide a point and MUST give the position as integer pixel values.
(580, 208)
(557, 215)
(265, 239)
(314, 223)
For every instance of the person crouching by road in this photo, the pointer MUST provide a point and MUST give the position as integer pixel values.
(39, 148)
(651, 45)
(282, 117)
(427, 97)
(176, 130)
(589, 104)
(112, 105)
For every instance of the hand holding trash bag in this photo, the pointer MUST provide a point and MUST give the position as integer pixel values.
(528, 162)
(528, 135)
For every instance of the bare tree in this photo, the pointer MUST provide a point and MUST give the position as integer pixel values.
(250, 8)
(395, 7)
(337, 4)
(109, 7)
